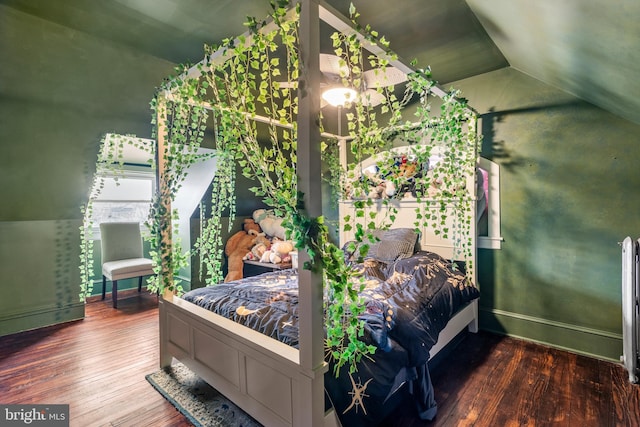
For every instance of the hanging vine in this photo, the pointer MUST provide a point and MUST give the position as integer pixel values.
(209, 244)
(186, 120)
(259, 75)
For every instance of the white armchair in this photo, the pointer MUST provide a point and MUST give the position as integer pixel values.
(122, 256)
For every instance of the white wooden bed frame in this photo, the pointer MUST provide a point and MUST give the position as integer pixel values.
(277, 384)
(259, 374)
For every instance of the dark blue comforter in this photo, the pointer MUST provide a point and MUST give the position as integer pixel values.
(408, 303)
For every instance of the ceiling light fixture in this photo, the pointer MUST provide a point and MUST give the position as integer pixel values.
(339, 96)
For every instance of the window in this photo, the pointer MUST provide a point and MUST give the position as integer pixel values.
(124, 191)
(489, 236)
(126, 197)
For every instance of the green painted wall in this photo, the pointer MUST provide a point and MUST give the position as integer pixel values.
(38, 260)
(60, 91)
(569, 176)
(569, 180)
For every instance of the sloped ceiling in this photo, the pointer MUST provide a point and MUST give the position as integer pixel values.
(587, 47)
(590, 48)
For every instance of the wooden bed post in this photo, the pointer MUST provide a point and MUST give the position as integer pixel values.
(310, 406)
(165, 229)
(163, 188)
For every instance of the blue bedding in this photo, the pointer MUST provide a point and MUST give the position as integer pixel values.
(408, 302)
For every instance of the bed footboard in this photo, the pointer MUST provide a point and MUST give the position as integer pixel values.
(260, 375)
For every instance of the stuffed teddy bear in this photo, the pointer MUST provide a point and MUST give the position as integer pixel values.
(237, 247)
(270, 224)
(278, 253)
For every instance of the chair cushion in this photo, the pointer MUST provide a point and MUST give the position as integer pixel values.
(120, 240)
(126, 268)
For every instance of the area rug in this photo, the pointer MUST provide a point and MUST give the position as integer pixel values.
(203, 405)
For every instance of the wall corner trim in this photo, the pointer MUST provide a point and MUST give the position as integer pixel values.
(41, 317)
(577, 339)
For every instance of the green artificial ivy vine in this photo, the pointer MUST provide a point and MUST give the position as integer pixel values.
(259, 75)
(440, 191)
(209, 244)
(186, 123)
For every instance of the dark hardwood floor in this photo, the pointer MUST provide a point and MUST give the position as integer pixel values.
(491, 380)
(97, 366)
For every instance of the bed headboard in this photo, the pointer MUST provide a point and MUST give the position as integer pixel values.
(406, 214)
(405, 218)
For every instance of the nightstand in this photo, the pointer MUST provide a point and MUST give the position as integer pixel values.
(253, 268)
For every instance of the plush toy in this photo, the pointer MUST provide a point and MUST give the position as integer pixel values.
(404, 180)
(270, 224)
(278, 253)
(396, 180)
(365, 185)
(251, 227)
(237, 247)
(379, 191)
(266, 256)
(281, 250)
(260, 246)
(408, 169)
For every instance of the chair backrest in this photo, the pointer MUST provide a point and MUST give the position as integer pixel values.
(120, 240)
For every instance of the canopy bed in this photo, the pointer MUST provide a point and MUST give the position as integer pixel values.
(415, 276)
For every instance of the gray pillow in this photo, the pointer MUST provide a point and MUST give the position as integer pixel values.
(393, 244)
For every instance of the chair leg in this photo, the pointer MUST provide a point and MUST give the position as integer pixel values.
(114, 293)
(104, 286)
(140, 284)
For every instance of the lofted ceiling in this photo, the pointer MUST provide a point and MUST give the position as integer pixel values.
(590, 48)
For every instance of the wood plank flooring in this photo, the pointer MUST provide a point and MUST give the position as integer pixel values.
(97, 366)
(490, 380)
